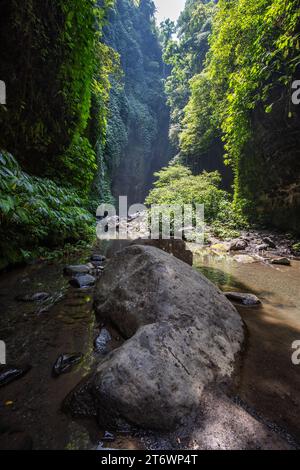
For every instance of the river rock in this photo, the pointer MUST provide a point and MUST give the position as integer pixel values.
(65, 362)
(238, 245)
(281, 261)
(269, 242)
(102, 340)
(182, 335)
(174, 247)
(98, 258)
(9, 373)
(262, 247)
(82, 281)
(78, 269)
(243, 299)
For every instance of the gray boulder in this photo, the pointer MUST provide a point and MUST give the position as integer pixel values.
(281, 261)
(82, 280)
(182, 335)
(78, 269)
(238, 245)
(243, 299)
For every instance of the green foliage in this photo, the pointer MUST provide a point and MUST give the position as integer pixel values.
(53, 62)
(243, 94)
(255, 45)
(296, 248)
(79, 164)
(57, 71)
(185, 56)
(176, 185)
(199, 128)
(138, 119)
(36, 212)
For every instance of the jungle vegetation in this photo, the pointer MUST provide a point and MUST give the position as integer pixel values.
(233, 66)
(94, 88)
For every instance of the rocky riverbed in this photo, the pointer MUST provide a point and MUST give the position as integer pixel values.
(257, 408)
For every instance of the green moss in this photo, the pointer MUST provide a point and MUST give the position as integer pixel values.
(296, 248)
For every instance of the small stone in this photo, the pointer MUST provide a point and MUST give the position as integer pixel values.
(243, 299)
(98, 258)
(281, 261)
(10, 373)
(96, 264)
(102, 340)
(262, 247)
(238, 245)
(80, 269)
(65, 362)
(269, 242)
(82, 281)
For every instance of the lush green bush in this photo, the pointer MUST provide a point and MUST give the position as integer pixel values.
(176, 185)
(36, 212)
(185, 55)
(244, 94)
(296, 248)
(53, 64)
(138, 118)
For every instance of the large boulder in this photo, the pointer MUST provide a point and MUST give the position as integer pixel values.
(181, 333)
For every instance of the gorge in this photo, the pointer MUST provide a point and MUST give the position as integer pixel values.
(149, 344)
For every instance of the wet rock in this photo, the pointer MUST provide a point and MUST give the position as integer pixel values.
(182, 335)
(243, 299)
(262, 247)
(65, 362)
(9, 374)
(220, 248)
(281, 261)
(102, 340)
(38, 297)
(80, 269)
(97, 264)
(238, 245)
(81, 281)
(176, 248)
(98, 258)
(269, 242)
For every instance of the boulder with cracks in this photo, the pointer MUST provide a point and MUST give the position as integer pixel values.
(182, 335)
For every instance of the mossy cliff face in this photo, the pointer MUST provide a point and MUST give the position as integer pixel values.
(138, 121)
(269, 170)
